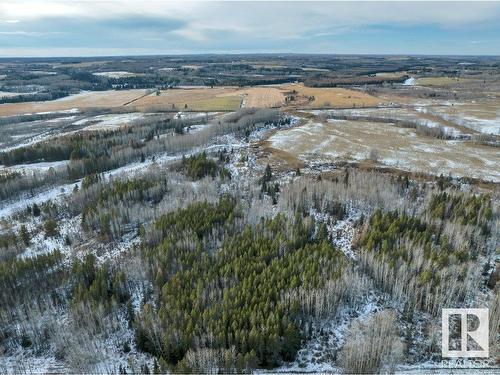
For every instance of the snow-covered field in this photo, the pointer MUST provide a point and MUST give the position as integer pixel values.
(396, 147)
(414, 115)
(38, 167)
(8, 94)
(482, 117)
(43, 130)
(110, 121)
(59, 119)
(409, 82)
(117, 74)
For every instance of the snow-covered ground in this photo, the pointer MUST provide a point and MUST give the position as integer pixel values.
(70, 110)
(340, 231)
(316, 355)
(35, 167)
(193, 115)
(194, 128)
(10, 207)
(105, 355)
(8, 94)
(24, 362)
(409, 82)
(319, 353)
(117, 74)
(28, 142)
(403, 148)
(478, 123)
(109, 121)
(59, 119)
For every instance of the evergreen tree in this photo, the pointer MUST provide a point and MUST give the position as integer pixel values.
(24, 235)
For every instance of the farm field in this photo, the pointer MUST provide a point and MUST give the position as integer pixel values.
(482, 116)
(262, 97)
(195, 99)
(220, 103)
(402, 148)
(440, 81)
(119, 74)
(391, 75)
(332, 97)
(418, 114)
(200, 99)
(94, 99)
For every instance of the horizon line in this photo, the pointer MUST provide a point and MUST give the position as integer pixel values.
(249, 53)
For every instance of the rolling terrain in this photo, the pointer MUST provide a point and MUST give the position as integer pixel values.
(255, 213)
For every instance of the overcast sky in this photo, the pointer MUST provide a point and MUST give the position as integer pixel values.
(130, 27)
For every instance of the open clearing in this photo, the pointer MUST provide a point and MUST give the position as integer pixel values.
(333, 97)
(402, 148)
(220, 103)
(117, 74)
(440, 81)
(391, 74)
(91, 99)
(261, 97)
(194, 99)
(108, 122)
(214, 99)
(8, 94)
(230, 98)
(419, 115)
(307, 69)
(482, 116)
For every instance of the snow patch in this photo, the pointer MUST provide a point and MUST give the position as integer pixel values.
(409, 82)
(115, 75)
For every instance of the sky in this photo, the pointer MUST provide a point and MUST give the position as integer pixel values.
(47, 28)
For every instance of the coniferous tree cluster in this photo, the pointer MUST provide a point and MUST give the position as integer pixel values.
(199, 166)
(231, 297)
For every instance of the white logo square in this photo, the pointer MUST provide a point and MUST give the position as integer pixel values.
(479, 335)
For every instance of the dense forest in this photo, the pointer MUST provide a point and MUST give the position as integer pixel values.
(231, 298)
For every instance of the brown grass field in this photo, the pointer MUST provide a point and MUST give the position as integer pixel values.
(334, 97)
(440, 81)
(202, 99)
(218, 103)
(103, 99)
(195, 99)
(261, 97)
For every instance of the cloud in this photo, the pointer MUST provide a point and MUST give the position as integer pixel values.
(24, 33)
(209, 26)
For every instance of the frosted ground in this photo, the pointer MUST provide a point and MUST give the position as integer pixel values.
(28, 133)
(403, 148)
(482, 117)
(117, 74)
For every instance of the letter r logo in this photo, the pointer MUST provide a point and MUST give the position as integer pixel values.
(472, 341)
